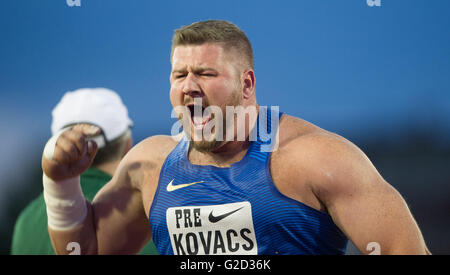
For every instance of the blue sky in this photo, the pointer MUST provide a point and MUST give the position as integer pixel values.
(350, 68)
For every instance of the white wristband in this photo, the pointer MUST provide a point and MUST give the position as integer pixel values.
(66, 205)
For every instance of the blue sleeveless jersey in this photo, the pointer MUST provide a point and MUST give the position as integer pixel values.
(235, 210)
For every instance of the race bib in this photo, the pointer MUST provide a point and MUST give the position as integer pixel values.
(212, 229)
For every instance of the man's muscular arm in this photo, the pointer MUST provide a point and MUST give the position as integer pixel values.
(362, 204)
(115, 221)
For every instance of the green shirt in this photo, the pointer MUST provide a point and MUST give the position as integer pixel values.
(30, 232)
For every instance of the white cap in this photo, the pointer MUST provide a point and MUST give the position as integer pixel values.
(98, 106)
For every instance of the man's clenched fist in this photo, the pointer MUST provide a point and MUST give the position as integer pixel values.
(70, 153)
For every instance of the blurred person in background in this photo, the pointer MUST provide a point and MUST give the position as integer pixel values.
(100, 107)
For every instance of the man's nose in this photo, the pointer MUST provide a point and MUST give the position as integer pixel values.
(191, 87)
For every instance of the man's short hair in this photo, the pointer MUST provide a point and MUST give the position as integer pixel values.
(215, 31)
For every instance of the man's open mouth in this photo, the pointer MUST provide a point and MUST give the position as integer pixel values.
(200, 115)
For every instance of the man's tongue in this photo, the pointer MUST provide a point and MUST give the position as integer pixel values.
(199, 118)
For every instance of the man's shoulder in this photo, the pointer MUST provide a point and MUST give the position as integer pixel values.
(312, 147)
(295, 132)
(323, 157)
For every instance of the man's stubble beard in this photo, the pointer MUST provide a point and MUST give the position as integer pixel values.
(206, 146)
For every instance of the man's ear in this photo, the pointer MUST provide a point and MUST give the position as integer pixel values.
(248, 81)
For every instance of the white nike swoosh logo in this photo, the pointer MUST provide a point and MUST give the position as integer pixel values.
(171, 187)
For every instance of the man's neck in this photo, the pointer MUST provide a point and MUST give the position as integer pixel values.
(224, 156)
